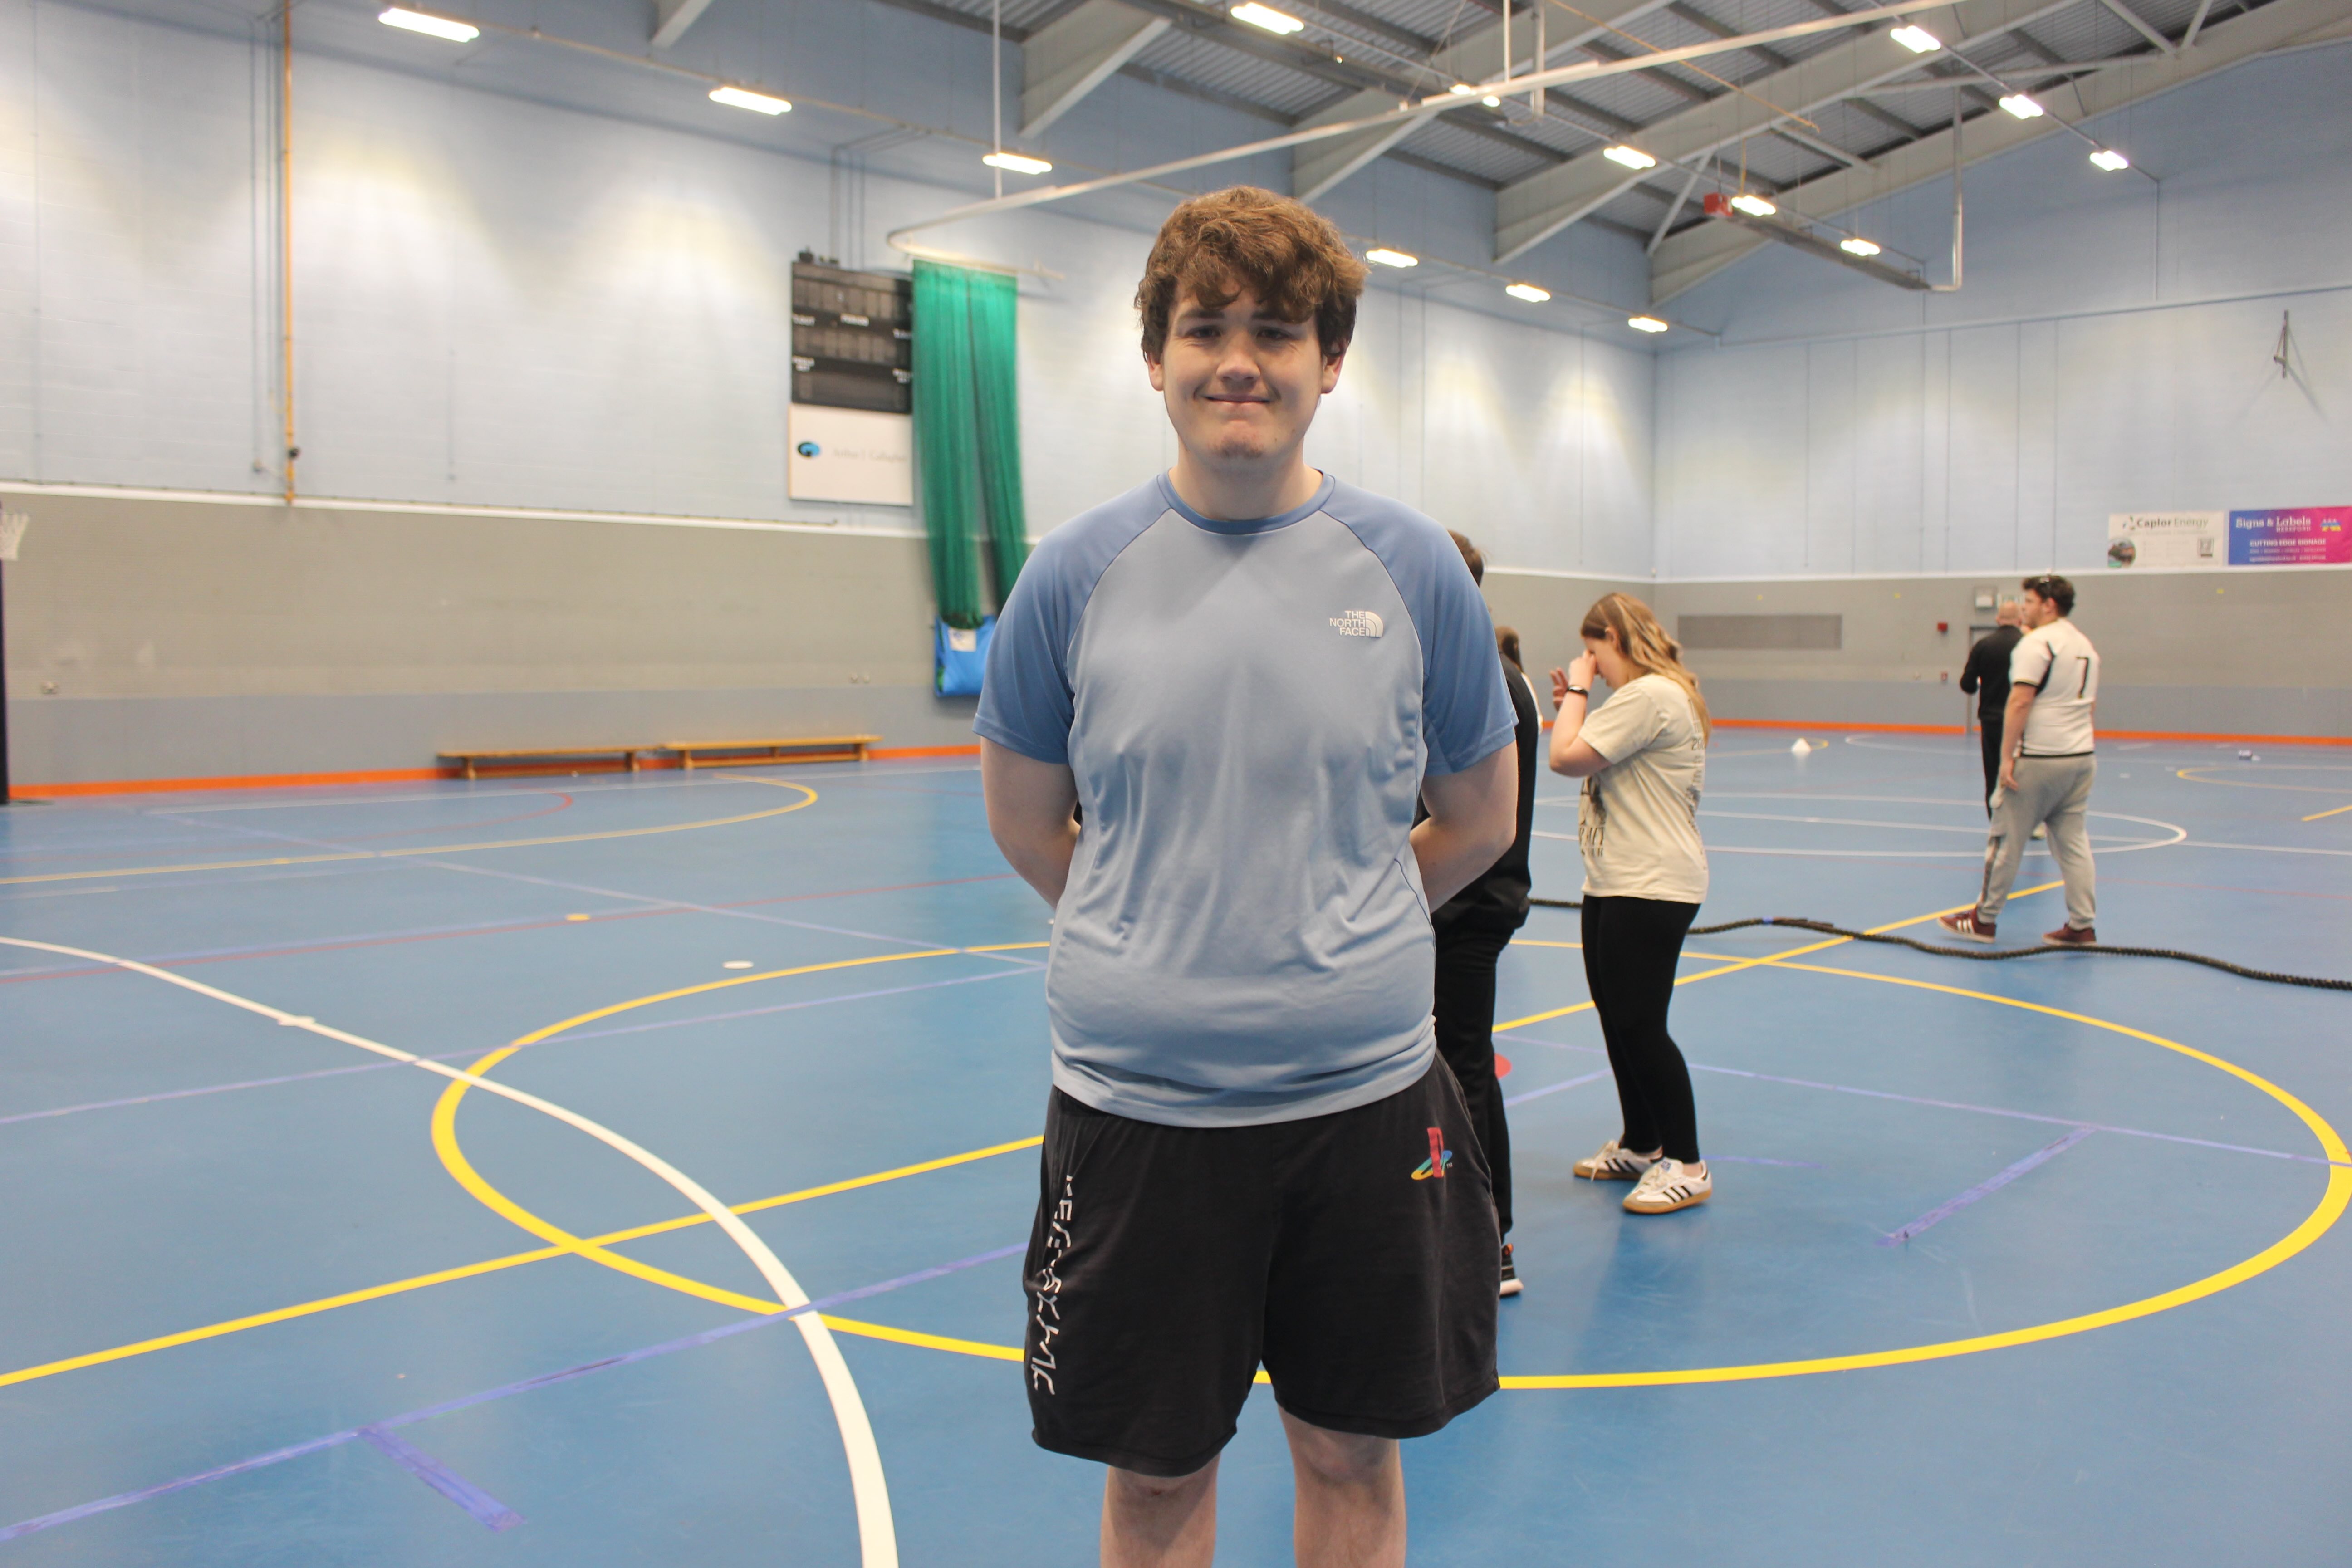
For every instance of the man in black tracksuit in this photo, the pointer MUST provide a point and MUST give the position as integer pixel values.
(1987, 674)
(1473, 928)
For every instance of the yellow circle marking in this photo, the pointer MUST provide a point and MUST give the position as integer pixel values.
(809, 799)
(2324, 1214)
(453, 1158)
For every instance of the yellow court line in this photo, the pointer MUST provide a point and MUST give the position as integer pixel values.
(493, 1265)
(453, 1155)
(2332, 1203)
(427, 850)
(1739, 964)
(2315, 815)
(2326, 1213)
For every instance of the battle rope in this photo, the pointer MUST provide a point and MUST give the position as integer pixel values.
(1994, 954)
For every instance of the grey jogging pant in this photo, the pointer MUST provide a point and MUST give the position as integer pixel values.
(2053, 791)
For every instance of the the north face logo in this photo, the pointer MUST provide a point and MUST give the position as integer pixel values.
(1360, 623)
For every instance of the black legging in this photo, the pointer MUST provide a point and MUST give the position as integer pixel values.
(1630, 948)
(1465, 1038)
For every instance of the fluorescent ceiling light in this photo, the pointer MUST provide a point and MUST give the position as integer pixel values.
(1016, 163)
(2024, 108)
(434, 26)
(1266, 16)
(1528, 291)
(1754, 207)
(1645, 323)
(1918, 40)
(1631, 157)
(1461, 89)
(1386, 257)
(1857, 246)
(757, 102)
(1491, 101)
(2110, 160)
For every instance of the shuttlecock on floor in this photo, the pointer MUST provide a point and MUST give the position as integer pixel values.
(1803, 747)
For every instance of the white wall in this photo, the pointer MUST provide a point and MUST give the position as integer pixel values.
(2111, 351)
(505, 301)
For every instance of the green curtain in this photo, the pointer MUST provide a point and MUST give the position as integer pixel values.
(968, 433)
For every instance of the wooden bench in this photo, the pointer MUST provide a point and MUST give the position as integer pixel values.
(542, 759)
(790, 749)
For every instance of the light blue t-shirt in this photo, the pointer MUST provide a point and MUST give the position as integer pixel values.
(1248, 709)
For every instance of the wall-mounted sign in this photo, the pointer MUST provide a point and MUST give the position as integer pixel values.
(2305, 536)
(2166, 540)
(851, 455)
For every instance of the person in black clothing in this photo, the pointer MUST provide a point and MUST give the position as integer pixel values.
(1987, 674)
(1473, 928)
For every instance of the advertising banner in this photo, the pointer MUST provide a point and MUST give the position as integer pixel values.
(851, 455)
(2302, 536)
(2166, 541)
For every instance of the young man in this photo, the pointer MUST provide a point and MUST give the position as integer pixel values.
(1246, 673)
(2047, 766)
(1987, 677)
(1473, 929)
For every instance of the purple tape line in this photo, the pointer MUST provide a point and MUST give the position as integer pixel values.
(1963, 1105)
(1553, 1088)
(544, 1379)
(1986, 1188)
(493, 1514)
(460, 1056)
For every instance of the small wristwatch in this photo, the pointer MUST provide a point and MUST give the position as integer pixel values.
(1580, 690)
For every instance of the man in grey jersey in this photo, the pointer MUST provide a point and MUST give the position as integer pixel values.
(2048, 762)
(1247, 673)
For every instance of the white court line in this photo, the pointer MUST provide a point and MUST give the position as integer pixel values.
(877, 1536)
(2268, 848)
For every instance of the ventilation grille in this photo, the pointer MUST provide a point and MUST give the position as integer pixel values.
(1757, 632)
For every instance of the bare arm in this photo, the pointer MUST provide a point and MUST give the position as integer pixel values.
(1472, 816)
(1571, 756)
(1030, 805)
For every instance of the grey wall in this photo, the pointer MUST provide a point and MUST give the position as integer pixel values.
(2248, 653)
(163, 639)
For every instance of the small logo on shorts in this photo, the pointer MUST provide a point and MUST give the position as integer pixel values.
(1440, 1157)
(1360, 623)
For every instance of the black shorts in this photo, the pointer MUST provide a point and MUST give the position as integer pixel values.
(1354, 1254)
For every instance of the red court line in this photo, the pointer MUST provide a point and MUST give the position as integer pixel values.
(395, 776)
(2195, 736)
(299, 951)
(562, 803)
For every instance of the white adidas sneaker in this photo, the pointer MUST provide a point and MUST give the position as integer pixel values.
(1668, 1186)
(1613, 1163)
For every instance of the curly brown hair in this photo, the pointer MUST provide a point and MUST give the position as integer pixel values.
(1215, 247)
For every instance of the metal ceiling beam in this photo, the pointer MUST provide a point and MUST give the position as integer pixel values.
(1698, 253)
(1700, 19)
(673, 17)
(2139, 23)
(1076, 53)
(1532, 210)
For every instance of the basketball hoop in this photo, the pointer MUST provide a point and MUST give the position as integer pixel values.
(12, 532)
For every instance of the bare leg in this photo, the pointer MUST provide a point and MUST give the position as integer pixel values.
(1350, 1509)
(1160, 1521)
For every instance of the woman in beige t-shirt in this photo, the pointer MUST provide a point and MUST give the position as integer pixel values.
(1642, 758)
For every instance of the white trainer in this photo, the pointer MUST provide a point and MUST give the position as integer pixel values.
(1668, 1186)
(1613, 1163)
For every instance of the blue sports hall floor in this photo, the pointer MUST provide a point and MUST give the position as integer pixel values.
(2008, 1263)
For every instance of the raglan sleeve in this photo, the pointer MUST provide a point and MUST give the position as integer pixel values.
(1466, 713)
(1026, 700)
(2029, 664)
(1628, 723)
